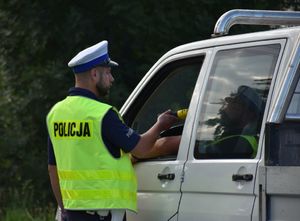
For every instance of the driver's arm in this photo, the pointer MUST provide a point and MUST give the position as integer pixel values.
(164, 146)
(148, 140)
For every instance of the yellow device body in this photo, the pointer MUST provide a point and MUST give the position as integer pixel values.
(181, 114)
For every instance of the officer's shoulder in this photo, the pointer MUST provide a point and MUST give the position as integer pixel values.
(56, 105)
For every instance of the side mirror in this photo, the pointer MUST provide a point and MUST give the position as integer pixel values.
(282, 144)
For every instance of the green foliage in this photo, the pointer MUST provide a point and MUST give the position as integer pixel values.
(38, 38)
(23, 206)
(26, 215)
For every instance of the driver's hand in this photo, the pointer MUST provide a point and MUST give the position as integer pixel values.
(166, 120)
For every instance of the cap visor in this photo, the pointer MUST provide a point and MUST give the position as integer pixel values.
(113, 64)
(109, 64)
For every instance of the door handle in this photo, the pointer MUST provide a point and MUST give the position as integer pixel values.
(168, 176)
(245, 177)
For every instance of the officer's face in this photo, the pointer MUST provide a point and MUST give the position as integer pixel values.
(105, 80)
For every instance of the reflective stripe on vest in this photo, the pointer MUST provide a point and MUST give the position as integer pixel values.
(90, 178)
(250, 139)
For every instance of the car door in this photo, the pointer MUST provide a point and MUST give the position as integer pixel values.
(169, 86)
(220, 173)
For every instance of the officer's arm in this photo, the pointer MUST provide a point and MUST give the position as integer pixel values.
(55, 184)
(148, 139)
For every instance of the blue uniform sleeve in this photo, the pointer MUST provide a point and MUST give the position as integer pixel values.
(117, 135)
(51, 156)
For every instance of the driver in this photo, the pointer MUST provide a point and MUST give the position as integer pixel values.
(239, 125)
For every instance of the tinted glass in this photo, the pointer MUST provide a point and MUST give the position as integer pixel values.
(234, 102)
(294, 107)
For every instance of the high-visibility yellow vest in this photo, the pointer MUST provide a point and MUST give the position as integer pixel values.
(251, 139)
(90, 177)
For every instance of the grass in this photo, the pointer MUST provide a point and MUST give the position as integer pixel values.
(21, 205)
(24, 214)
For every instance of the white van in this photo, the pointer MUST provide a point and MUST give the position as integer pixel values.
(215, 176)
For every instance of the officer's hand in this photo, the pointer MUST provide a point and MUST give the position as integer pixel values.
(166, 120)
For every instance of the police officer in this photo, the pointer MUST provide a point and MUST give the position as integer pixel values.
(90, 170)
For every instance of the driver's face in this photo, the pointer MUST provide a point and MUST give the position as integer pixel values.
(234, 109)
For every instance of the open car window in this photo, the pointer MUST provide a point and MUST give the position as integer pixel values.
(170, 88)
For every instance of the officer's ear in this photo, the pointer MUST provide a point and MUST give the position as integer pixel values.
(94, 73)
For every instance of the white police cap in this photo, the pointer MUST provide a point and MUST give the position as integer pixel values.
(96, 55)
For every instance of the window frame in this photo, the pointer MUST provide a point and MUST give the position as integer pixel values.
(152, 79)
(216, 49)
